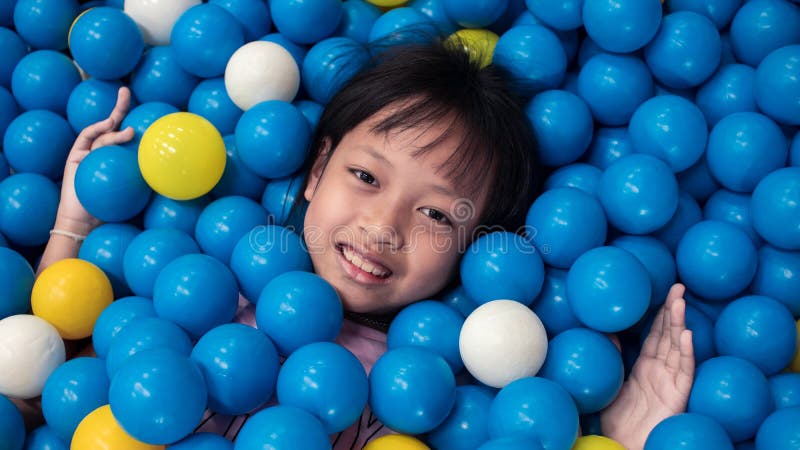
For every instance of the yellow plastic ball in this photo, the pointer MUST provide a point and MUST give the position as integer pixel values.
(592, 442)
(795, 365)
(100, 431)
(388, 3)
(71, 294)
(479, 44)
(182, 156)
(396, 442)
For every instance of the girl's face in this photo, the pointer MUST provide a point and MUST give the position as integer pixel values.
(383, 227)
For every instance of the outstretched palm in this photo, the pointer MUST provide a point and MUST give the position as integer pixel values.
(661, 379)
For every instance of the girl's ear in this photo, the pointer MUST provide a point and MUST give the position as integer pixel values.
(316, 170)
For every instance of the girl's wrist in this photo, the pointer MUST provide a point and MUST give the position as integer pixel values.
(74, 226)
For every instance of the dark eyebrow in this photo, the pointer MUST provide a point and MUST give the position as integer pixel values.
(444, 190)
(377, 155)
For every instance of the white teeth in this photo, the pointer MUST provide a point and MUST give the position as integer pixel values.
(366, 266)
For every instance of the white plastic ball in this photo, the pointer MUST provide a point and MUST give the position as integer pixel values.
(30, 349)
(261, 71)
(502, 341)
(156, 17)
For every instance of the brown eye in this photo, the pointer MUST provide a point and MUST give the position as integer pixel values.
(437, 215)
(363, 176)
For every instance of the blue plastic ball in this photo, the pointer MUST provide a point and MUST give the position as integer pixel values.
(8, 112)
(197, 292)
(794, 156)
(158, 396)
(716, 260)
(105, 248)
(734, 393)
(564, 224)
(306, 22)
(732, 207)
(401, 26)
(702, 334)
(149, 252)
(210, 100)
(326, 380)
(581, 176)
(272, 138)
(182, 215)
(743, 148)
(106, 43)
(140, 118)
(732, 89)
(411, 390)
(311, 110)
(115, 317)
(467, 424)
(110, 185)
(434, 9)
(613, 86)
(777, 88)
(38, 141)
(777, 277)
(785, 389)
(779, 430)
(45, 24)
(252, 14)
(720, 12)
(562, 125)
(240, 368)
(569, 39)
(688, 431)
(776, 211)
(685, 51)
(474, 13)
(671, 128)
(143, 333)
(44, 79)
(358, 17)
(639, 193)
(609, 145)
(761, 26)
(12, 428)
(758, 329)
(588, 365)
(297, 51)
(561, 15)
(203, 441)
(502, 265)
(536, 408)
(657, 259)
(297, 308)
(533, 55)
(72, 391)
(608, 289)
(16, 283)
(238, 179)
(621, 26)
(293, 428)
(697, 181)
(28, 204)
(329, 65)
(159, 78)
(552, 307)
(224, 221)
(7, 13)
(281, 196)
(431, 325)
(512, 443)
(91, 101)
(458, 299)
(204, 38)
(711, 309)
(263, 254)
(14, 49)
(44, 438)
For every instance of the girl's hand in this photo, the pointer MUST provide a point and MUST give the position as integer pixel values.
(72, 216)
(661, 380)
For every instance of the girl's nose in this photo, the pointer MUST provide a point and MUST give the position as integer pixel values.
(383, 225)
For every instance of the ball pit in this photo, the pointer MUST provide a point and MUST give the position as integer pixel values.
(670, 135)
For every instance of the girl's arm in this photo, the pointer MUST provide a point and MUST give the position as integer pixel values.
(72, 219)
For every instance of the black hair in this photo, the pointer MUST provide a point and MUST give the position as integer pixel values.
(434, 81)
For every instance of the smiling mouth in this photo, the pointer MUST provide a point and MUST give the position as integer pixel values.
(368, 269)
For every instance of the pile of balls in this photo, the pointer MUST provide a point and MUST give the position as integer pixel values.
(671, 132)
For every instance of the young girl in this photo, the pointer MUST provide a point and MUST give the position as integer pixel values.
(411, 160)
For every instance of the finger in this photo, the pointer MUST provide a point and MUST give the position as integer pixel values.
(687, 362)
(90, 133)
(676, 291)
(650, 346)
(664, 344)
(121, 108)
(113, 138)
(677, 321)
